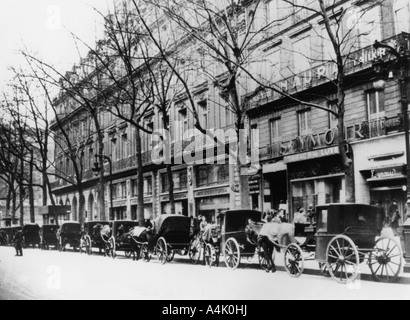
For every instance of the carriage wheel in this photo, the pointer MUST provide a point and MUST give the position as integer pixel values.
(386, 261)
(171, 255)
(88, 246)
(195, 250)
(146, 255)
(162, 250)
(324, 270)
(342, 259)
(232, 254)
(294, 261)
(112, 250)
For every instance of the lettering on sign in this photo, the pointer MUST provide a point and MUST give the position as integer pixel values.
(387, 173)
(211, 192)
(312, 155)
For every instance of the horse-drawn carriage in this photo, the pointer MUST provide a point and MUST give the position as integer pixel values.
(93, 237)
(172, 235)
(121, 239)
(233, 240)
(48, 235)
(31, 235)
(347, 235)
(69, 234)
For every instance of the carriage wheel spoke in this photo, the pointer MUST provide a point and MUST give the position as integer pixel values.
(350, 263)
(394, 273)
(378, 269)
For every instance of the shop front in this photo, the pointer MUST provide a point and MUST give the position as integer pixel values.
(210, 202)
(380, 172)
(315, 178)
(181, 204)
(275, 186)
(120, 210)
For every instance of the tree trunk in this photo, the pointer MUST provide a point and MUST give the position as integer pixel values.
(140, 179)
(21, 203)
(347, 163)
(14, 206)
(31, 188)
(170, 177)
(8, 202)
(47, 188)
(81, 208)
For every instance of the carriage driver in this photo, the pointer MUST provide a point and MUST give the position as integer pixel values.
(268, 239)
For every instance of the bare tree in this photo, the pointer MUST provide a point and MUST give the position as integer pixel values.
(136, 82)
(68, 139)
(224, 39)
(344, 30)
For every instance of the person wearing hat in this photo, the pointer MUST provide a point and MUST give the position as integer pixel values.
(395, 216)
(300, 217)
(18, 243)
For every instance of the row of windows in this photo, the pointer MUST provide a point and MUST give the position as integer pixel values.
(360, 28)
(375, 108)
(207, 175)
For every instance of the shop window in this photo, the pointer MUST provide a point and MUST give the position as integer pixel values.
(305, 122)
(375, 104)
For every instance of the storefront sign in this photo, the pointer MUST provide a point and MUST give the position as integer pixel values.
(178, 196)
(147, 200)
(309, 142)
(211, 192)
(316, 154)
(388, 173)
(254, 185)
(120, 204)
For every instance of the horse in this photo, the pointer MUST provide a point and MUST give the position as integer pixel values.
(105, 234)
(285, 234)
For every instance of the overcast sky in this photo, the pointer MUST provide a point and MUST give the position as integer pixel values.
(43, 26)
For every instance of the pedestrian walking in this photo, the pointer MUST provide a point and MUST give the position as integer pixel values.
(18, 243)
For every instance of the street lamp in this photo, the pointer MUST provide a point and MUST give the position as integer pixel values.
(401, 63)
(97, 170)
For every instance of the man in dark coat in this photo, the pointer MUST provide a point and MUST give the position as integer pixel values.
(18, 243)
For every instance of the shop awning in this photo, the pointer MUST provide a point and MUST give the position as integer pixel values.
(391, 188)
(274, 167)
